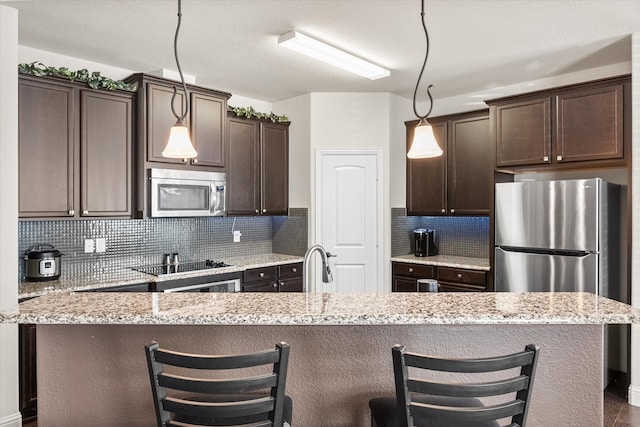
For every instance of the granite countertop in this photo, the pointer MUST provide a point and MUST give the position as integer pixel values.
(446, 261)
(321, 309)
(130, 277)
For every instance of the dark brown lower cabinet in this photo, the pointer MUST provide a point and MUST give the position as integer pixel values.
(27, 371)
(406, 275)
(282, 278)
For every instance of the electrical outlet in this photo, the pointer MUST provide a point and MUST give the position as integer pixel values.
(236, 236)
(101, 245)
(89, 246)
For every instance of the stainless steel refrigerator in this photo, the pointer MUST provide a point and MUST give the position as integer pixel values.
(557, 236)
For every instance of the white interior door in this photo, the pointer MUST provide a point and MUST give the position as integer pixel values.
(348, 219)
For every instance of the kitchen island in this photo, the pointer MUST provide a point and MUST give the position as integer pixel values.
(92, 370)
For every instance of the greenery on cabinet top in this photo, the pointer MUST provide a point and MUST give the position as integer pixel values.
(94, 79)
(250, 113)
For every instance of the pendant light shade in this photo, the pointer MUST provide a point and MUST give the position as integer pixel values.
(424, 143)
(179, 145)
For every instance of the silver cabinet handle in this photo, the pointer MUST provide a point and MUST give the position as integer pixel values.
(559, 158)
(459, 276)
(275, 285)
(281, 283)
(72, 212)
(294, 270)
(261, 274)
(257, 211)
(443, 210)
(410, 270)
(264, 211)
(545, 159)
(85, 212)
(195, 160)
(453, 210)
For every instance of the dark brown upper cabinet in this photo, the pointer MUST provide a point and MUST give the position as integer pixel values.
(75, 150)
(258, 180)
(460, 181)
(585, 125)
(206, 121)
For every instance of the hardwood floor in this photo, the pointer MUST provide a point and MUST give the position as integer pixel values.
(617, 412)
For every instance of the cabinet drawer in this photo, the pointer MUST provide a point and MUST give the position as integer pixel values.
(260, 274)
(413, 270)
(290, 270)
(457, 275)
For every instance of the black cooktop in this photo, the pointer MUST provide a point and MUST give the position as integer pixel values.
(183, 267)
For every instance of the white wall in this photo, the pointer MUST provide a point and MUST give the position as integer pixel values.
(9, 414)
(401, 111)
(298, 110)
(360, 121)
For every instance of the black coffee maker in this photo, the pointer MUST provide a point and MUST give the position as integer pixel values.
(424, 242)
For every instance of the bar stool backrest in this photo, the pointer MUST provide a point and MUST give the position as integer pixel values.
(202, 400)
(412, 410)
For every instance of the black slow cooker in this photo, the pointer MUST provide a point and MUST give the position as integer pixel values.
(42, 263)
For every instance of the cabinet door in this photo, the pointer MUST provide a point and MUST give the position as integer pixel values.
(243, 181)
(261, 287)
(590, 124)
(470, 176)
(27, 368)
(207, 129)
(46, 149)
(523, 132)
(456, 287)
(105, 142)
(291, 285)
(160, 119)
(426, 178)
(275, 169)
(404, 284)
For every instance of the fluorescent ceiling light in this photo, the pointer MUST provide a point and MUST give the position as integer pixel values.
(306, 45)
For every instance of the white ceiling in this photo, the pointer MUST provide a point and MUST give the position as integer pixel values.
(231, 45)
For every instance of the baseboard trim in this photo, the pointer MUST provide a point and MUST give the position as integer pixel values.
(634, 395)
(13, 420)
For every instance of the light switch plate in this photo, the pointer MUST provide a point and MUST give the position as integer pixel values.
(101, 245)
(89, 246)
(236, 236)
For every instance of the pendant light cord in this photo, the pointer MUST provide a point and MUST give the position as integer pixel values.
(184, 86)
(415, 92)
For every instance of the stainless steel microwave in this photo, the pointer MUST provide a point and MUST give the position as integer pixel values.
(187, 193)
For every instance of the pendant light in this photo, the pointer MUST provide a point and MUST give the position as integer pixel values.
(179, 145)
(424, 144)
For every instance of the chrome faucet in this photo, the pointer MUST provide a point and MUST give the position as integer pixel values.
(326, 270)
